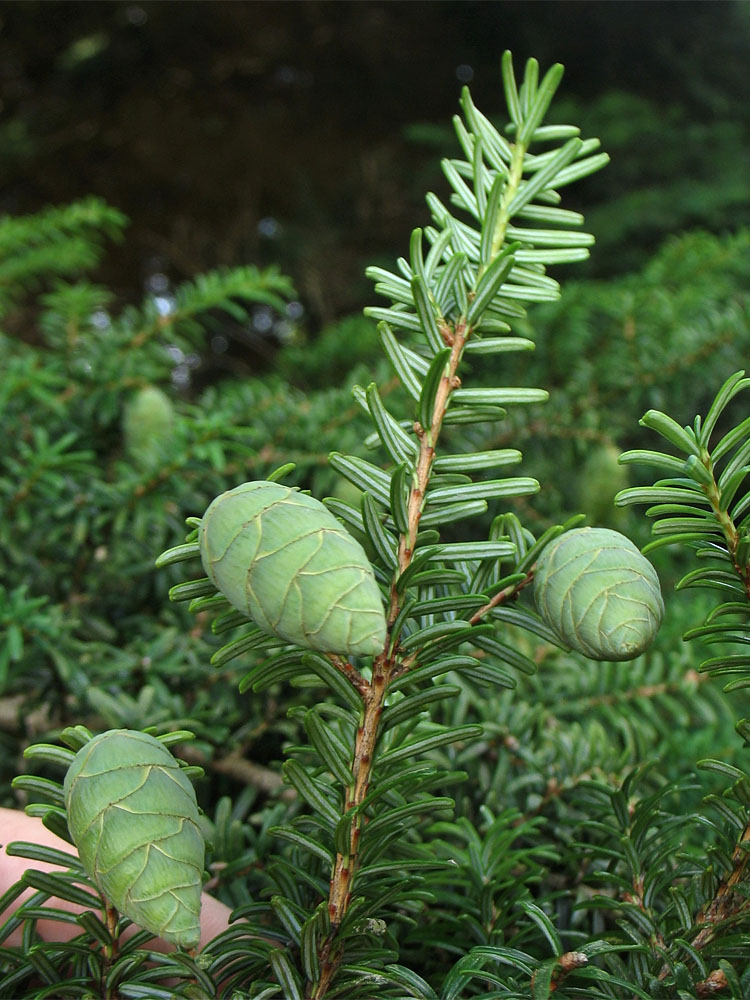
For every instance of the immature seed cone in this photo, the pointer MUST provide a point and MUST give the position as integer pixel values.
(599, 594)
(133, 817)
(601, 479)
(147, 425)
(284, 560)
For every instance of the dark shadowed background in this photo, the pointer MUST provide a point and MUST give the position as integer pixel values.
(305, 134)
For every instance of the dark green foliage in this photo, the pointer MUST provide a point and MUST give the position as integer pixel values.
(471, 812)
(671, 170)
(57, 243)
(336, 354)
(702, 502)
(661, 338)
(601, 479)
(77, 491)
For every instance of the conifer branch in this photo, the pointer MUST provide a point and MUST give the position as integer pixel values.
(346, 863)
(727, 903)
(454, 332)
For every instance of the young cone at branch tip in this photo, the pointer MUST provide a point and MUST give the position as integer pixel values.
(133, 816)
(599, 594)
(284, 560)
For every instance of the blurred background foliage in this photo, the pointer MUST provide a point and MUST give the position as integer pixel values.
(305, 133)
(263, 155)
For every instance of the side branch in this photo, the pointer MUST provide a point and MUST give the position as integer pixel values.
(501, 597)
(727, 903)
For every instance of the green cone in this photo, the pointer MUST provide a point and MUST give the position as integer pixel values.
(284, 560)
(133, 816)
(599, 594)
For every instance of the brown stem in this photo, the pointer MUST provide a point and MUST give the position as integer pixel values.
(346, 864)
(428, 437)
(731, 534)
(364, 751)
(504, 595)
(726, 902)
(712, 984)
(373, 694)
(564, 965)
(111, 952)
(384, 666)
(637, 898)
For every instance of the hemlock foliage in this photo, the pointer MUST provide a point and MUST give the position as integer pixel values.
(477, 813)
